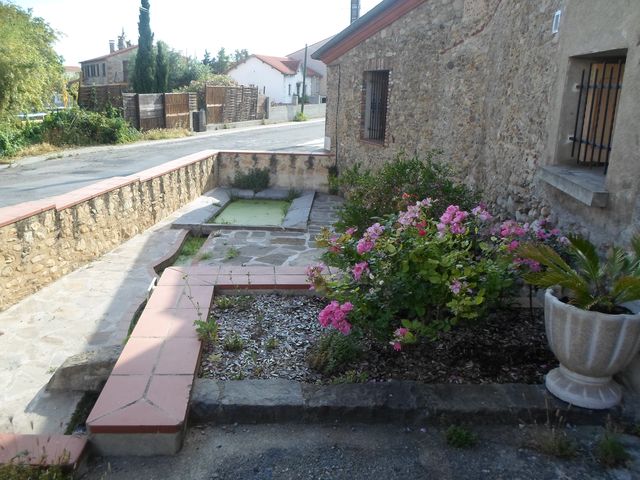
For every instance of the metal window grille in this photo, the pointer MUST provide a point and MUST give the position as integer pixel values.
(596, 112)
(376, 93)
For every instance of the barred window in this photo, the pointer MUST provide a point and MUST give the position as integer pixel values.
(375, 96)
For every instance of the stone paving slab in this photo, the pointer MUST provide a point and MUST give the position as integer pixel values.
(61, 450)
(272, 247)
(90, 308)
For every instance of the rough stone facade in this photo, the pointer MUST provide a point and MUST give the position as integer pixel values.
(485, 81)
(300, 171)
(40, 248)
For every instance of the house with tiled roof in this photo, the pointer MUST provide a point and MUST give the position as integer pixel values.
(279, 78)
(109, 69)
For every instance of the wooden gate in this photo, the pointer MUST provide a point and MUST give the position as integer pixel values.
(214, 99)
(151, 111)
(176, 110)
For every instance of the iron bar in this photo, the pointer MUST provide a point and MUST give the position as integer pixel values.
(606, 111)
(613, 112)
(575, 128)
(597, 114)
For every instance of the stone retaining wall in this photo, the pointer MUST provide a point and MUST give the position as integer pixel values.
(44, 240)
(301, 171)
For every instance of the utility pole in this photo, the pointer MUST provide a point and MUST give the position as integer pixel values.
(304, 78)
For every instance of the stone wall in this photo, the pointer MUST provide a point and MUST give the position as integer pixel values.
(301, 171)
(44, 240)
(285, 113)
(483, 81)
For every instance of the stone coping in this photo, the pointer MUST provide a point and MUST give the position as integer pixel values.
(279, 400)
(66, 451)
(15, 213)
(149, 388)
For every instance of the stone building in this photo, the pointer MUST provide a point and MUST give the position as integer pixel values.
(109, 69)
(496, 85)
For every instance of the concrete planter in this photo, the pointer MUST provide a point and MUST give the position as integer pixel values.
(591, 347)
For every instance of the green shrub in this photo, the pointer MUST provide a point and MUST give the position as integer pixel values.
(16, 136)
(233, 343)
(300, 117)
(610, 452)
(460, 437)
(256, 179)
(81, 127)
(413, 275)
(22, 472)
(371, 195)
(333, 353)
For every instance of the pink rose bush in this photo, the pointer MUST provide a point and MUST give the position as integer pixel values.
(415, 274)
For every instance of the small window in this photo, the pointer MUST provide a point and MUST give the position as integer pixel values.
(125, 71)
(599, 93)
(375, 96)
(289, 89)
(104, 70)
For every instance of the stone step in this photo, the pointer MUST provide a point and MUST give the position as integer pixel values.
(66, 451)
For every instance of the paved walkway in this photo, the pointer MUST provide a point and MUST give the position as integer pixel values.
(93, 306)
(264, 247)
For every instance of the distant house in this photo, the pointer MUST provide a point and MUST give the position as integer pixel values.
(317, 66)
(279, 78)
(109, 69)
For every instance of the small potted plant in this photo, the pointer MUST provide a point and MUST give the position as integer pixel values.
(591, 317)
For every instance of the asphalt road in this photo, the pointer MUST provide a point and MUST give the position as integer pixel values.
(58, 173)
(368, 452)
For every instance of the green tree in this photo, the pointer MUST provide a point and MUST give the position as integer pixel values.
(30, 70)
(143, 77)
(206, 60)
(162, 68)
(240, 55)
(221, 64)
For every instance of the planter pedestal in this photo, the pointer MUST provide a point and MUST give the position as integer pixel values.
(591, 348)
(584, 391)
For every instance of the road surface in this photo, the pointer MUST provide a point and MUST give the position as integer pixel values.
(32, 179)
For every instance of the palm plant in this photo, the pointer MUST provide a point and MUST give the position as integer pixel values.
(590, 282)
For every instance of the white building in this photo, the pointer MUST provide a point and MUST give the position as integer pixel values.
(279, 78)
(317, 66)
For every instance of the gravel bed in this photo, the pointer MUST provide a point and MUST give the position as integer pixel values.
(276, 333)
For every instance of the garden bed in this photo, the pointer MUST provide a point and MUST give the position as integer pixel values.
(271, 336)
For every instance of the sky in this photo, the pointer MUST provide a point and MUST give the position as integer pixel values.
(268, 27)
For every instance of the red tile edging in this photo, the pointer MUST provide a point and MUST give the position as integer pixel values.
(149, 388)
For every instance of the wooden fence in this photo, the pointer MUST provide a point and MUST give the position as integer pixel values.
(97, 98)
(159, 110)
(231, 104)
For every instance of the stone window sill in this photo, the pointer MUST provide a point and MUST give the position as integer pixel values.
(378, 143)
(583, 184)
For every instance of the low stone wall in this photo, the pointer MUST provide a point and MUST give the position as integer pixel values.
(302, 171)
(285, 113)
(43, 240)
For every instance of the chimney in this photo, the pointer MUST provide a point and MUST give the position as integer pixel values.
(112, 46)
(355, 10)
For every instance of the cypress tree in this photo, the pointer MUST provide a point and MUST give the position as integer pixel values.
(162, 68)
(144, 78)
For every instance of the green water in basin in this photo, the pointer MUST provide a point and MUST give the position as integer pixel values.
(253, 213)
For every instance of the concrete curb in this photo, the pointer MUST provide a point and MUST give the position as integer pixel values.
(278, 400)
